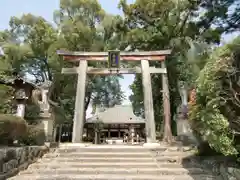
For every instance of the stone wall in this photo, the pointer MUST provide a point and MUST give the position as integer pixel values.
(230, 173)
(225, 167)
(15, 159)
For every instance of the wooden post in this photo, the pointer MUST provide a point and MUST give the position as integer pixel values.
(78, 122)
(166, 107)
(119, 132)
(87, 132)
(148, 103)
(54, 133)
(109, 133)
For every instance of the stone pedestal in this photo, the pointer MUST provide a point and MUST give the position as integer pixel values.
(184, 132)
(45, 114)
(48, 128)
(73, 145)
(151, 145)
(20, 110)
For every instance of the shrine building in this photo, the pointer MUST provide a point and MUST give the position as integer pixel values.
(118, 125)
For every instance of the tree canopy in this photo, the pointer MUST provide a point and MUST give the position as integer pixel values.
(186, 27)
(31, 42)
(214, 110)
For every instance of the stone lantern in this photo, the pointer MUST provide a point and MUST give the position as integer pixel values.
(23, 90)
(44, 105)
(184, 130)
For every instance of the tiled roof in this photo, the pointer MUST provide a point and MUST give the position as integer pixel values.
(120, 114)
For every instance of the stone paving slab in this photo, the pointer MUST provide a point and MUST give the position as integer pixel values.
(103, 159)
(117, 171)
(97, 165)
(78, 165)
(115, 158)
(111, 177)
(102, 154)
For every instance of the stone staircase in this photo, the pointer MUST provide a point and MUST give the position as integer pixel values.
(115, 162)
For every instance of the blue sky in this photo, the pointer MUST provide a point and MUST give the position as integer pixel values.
(45, 9)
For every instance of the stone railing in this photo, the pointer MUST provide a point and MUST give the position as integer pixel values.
(15, 159)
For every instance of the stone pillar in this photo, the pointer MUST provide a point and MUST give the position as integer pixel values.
(119, 133)
(148, 102)
(21, 98)
(54, 134)
(109, 133)
(21, 110)
(48, 128)
(47, 121)
(184, 132)
(87, 133)
(45, 104)
(78, 121)
(132, 134)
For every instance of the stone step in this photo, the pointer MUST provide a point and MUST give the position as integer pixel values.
(108, 149)
(113, 158)
(173, 153)
(112, 177)
(115, 171)
(104, 154)
(68, 163)
(139, 153)
(101, 159)
(175, 148)
(91, 147)
(120, 154)
(169, 159)
(53, 165)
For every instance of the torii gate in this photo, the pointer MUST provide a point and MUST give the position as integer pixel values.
(82, 70)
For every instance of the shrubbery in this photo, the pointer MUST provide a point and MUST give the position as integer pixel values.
(215, 106)
(34, 136)
(15, 128)
(11, 127)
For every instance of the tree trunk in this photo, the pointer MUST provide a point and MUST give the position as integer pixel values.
(167, 137)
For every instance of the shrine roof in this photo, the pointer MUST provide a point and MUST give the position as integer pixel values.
(119, 114)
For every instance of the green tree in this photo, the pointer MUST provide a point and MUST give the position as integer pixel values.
(84, 26)
(30, 50)
(214, 114)
(155, 25)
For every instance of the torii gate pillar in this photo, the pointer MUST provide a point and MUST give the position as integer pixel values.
(148, 102)
(78, 121)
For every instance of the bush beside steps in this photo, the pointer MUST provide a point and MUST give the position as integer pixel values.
(13, 128)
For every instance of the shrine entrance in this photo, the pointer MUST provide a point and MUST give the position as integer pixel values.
(114, 58)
